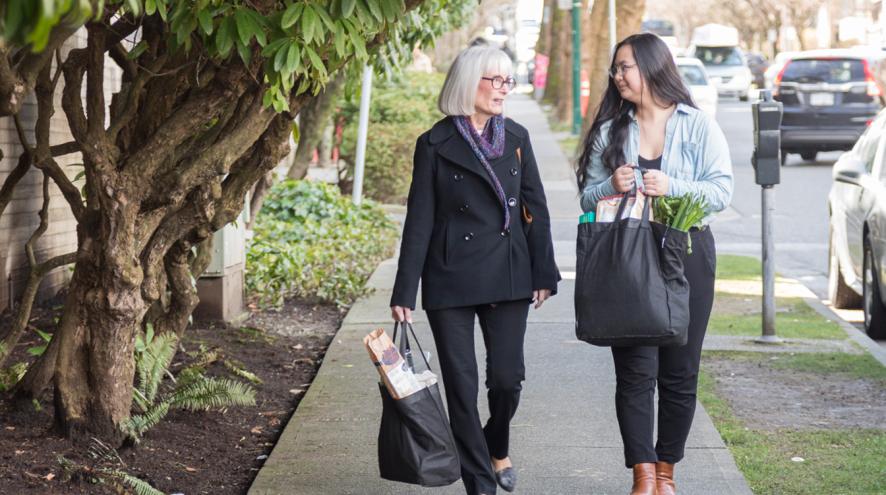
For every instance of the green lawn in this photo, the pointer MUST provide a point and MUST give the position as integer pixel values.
(741, 315)
(834, 462)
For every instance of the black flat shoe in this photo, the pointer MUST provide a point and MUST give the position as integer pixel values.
(506, 478)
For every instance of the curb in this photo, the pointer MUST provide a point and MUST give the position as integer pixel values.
(855, 334)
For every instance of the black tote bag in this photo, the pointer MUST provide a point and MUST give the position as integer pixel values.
(630, 289)
(415, 443)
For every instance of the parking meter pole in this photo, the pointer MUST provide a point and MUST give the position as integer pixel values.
(767, 115)
(768, 204)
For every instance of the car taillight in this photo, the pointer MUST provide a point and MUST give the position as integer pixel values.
(777, 81)
(874, 90)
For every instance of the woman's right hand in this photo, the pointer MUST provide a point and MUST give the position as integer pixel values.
(399, 313)
(623, 178)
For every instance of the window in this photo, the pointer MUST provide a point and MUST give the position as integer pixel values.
(693, 75)
(719, 55)
(866, 146)
(834, 71)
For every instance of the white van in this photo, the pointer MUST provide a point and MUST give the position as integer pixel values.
(716, 46)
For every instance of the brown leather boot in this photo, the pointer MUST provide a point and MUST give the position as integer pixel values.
(664, 478)
(644, 479)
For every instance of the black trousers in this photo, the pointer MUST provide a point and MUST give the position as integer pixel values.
(674, 369)
(504, 327)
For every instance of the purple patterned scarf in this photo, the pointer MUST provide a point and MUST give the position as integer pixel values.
(488, 146)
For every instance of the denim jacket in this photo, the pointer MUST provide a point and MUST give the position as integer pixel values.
(695, 158)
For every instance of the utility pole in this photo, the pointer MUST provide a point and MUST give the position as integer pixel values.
(362, 130)
(576, 67)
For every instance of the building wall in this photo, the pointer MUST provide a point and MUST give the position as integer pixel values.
(20, 218)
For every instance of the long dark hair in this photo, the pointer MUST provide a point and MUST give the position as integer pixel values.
(656, 64)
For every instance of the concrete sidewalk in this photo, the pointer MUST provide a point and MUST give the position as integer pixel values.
(564, 437)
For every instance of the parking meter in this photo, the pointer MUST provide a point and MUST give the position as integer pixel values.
(767, 139)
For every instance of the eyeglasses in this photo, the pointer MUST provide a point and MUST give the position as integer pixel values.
(498, 82)
(620, 69)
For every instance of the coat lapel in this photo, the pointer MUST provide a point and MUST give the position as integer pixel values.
(455, 149)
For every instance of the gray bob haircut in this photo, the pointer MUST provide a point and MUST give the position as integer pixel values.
(460, 89)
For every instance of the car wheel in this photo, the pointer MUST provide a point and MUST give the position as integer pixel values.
(874, 312)
(743, 98)
(841, 295)
(809, 156)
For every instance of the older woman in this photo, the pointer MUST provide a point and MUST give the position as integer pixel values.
(478, 236)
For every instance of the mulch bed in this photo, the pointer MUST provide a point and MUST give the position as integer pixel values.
(217, 452)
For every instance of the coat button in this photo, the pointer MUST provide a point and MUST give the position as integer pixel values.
(463, 208)
(512, 202)
(469, 236)
(457, 176)
(505, 233)
(513, 171)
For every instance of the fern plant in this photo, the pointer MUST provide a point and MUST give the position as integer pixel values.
(106, 467)
(192, 390)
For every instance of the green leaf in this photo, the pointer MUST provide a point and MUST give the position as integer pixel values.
(375, 9)
(316, 61)
(274, 46)
(347, 7)
(293, 58)
(161, 7)
(134, 6)
(243, 28)
(245, 53)
(150, 7)
(290, 16)
(389, 9)
(357, 40)
(223, 37)
(137, 50)
(205, 18)
(339, 39)
(308, 20)
(280, 59)
(324, 16)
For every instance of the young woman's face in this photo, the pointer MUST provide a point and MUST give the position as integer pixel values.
(627, 76)
(490, 99)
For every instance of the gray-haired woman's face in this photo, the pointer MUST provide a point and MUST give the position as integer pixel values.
(491, 93)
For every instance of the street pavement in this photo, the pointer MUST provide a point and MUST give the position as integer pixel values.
(564, 437)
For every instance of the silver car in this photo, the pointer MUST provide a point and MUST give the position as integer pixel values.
(857, 247)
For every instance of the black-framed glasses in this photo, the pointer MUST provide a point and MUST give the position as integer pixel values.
(498, 82)
(620, 69)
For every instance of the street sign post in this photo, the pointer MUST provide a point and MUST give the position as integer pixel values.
(767, 162)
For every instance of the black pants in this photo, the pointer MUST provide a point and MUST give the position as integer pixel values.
(504, 326)
(675, 369)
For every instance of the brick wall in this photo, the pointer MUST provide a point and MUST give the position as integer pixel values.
(21, 216)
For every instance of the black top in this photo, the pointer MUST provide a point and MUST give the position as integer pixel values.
(453, 239)
(654, 164)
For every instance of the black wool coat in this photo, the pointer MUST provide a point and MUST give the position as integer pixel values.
(453, 238)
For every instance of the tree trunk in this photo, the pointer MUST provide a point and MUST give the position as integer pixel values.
(103, 312)
(552, 87)
(564, 100)
(258, 197)
(313, 119)
(629, 17)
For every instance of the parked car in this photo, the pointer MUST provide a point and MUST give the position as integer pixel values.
(775, 67)
(704, 93)
(857, 245)
(758, 65)
(829, 98)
